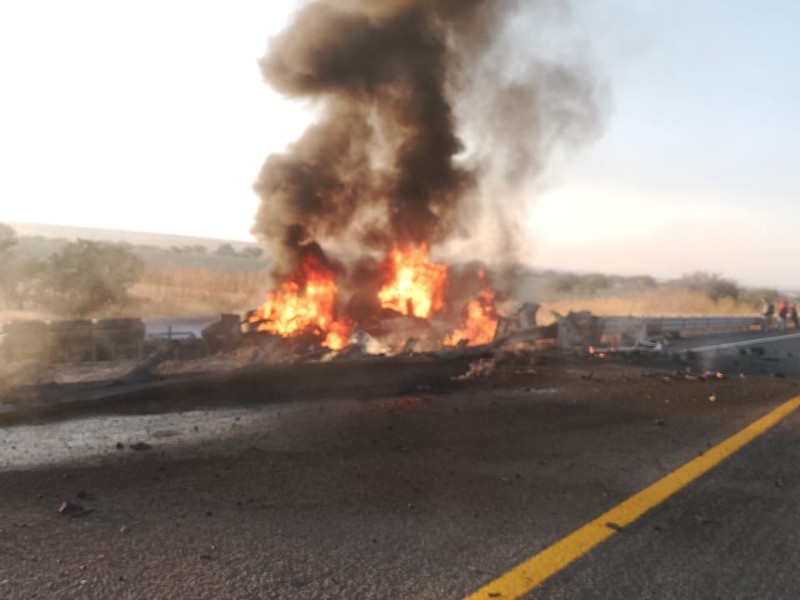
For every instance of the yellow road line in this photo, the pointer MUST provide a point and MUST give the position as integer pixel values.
(526, 576)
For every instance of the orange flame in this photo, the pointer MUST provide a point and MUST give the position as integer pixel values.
(338, 334)
(593, 352)
(304, 304)
(413, 284)
(481, 321)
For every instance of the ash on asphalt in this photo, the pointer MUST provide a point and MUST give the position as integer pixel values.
(776, 358)
(256, 385)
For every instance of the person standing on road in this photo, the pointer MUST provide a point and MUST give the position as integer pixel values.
(793, 315)
(783, 313)
(767, 310)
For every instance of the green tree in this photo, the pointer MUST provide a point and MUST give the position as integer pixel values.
(251, 252)
(8, 239)
(29, 284)
(640, 283)
(594, 282)
(711, 284)
(564, 283)
(581, 285)
(86, 276)
(225, 250)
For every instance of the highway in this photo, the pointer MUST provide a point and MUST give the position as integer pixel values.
(429, 495)
(751, 352)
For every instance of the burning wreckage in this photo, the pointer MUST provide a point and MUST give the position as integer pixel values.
(383, 175)
(407, 312)
(350, 211)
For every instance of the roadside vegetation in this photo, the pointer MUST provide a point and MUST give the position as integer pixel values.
(168, 291)
(56, 278)
(693, 295)
(49, 278)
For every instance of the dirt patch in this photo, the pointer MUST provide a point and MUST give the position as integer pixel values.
(33, 374)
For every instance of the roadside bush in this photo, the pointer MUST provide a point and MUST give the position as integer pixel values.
(710, 284)
(579, 285)
(640, 283)
(755, 296)
(87, 276)
(225, 250)
(8, 239)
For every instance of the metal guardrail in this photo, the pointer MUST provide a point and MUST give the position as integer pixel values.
(679, 324)
(173, 335)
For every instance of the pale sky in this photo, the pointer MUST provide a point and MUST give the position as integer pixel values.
(152, 116)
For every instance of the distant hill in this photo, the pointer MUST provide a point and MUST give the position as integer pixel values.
(136, 238)
(38, 241)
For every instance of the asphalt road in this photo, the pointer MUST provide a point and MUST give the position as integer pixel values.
(421, 496)
(733, 534)
(752, 352)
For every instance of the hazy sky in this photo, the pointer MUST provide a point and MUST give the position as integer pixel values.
(152, 116)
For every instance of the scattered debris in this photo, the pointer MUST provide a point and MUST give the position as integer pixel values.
(479, 368)
(412, 403)
(705, 376)
(71, 509)
(168, 433)
(704, 520)
(360, 342)
(578, 330)
(410, 346)
(223, 335)
(543, 391)
(614, 526)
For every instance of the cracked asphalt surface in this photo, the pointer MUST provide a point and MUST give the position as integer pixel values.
(418, 496)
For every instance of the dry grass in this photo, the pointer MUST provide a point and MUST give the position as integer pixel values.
(182, 291)
(10, 314)
(650, 304)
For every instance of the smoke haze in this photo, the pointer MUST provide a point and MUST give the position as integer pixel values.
(397, 87)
